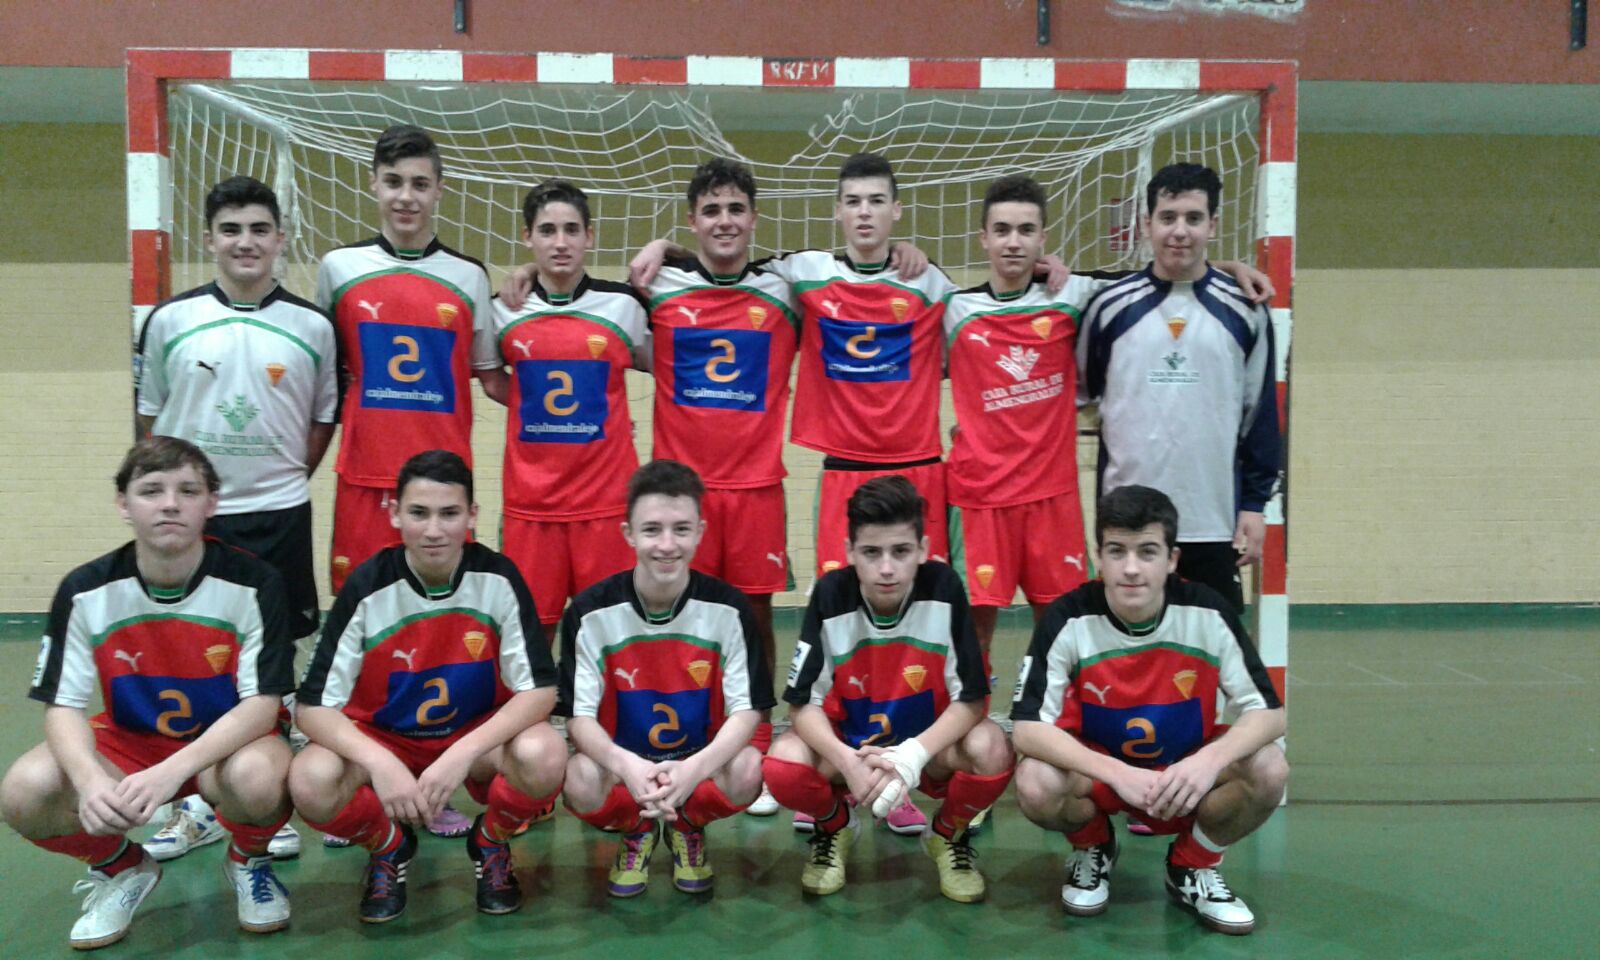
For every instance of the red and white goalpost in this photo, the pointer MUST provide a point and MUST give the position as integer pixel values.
(628, 130)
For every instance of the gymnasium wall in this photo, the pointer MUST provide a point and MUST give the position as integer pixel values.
(1444, 409)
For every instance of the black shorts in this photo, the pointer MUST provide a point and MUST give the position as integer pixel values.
(283, 539)
(1212, 563)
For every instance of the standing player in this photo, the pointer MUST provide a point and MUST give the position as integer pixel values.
(1116, 711)
(186, 642)
(569, 439)
(1182, 364)
(888, 692)
(414, 322)
(246, 371)
(431, 671)
(663, 677)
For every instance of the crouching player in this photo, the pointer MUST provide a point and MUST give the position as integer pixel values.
(888, 692)
(431, 671)
(188, 642)
(1115, 711)
(663, 677)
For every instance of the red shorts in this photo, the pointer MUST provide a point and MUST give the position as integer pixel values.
(1037, 545)
(833, 526)
(1106, 801)
(361, 527)
(417, 753)
(131, 751)
(559, 558)
(745, 542)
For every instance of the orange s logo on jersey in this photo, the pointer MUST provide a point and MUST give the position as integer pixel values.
(181, 710)
(728, 358)
(557, 393)
(425, 710)
(669, 725)
(409, 353)
(854, 348)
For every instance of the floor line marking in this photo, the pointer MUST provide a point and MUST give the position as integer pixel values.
(1475, 679)
(1390, 681)
(1561, 673)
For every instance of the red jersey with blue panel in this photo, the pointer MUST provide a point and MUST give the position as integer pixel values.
(1148, 698)
(882, 680)
(569, 439)
(166, 663)
(428, 664)
(870, 357)
(412, 327)
(723, 347)
(662, 684)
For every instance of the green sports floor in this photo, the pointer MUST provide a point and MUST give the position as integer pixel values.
(1445, 802)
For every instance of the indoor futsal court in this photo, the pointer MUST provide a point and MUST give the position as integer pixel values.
(1415, 182)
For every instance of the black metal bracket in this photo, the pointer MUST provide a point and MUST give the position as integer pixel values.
(1580, 24)
(461, 16)
(1042, 22)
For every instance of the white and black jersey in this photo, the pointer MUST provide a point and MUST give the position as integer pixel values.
(882, 680)
(662, 683)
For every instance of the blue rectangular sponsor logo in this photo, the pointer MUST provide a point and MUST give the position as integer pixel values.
(563, 401)
(663, 726)
(865, 352)
(437, 701)
(180, 707)
(884, 723)
(407, 368)
(726, 369)
(1153, 735)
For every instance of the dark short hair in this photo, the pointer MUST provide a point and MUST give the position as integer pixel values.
(159, 454)
(440, 466)
(669, 478)
(402, 142)
(720, 172)
(864, 165)
(1133, 508)
(241, 192)
(1014, 188)
(554, 191)
(884, 502)
(1176, 178)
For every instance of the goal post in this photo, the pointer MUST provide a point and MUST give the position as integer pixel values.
(629, 129)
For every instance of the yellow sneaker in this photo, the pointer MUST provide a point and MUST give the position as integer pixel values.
(691, 870)
(959, 879)
(631, 873)
(824, 872)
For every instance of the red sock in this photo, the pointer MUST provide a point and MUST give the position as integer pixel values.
(1195, 850)
(619, 811)
(968, 795)
(249, 840)
(802, 789)
(706, 804)
(110, 855)
(508, 809)
(363, 823)
(762, 738)
(1091, 834)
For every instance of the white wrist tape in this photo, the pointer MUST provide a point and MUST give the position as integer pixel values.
(908, 757)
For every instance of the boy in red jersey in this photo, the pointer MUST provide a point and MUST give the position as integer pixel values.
(188, 644)
(887, 689)
(1116, 711)
(431, 671)
(569, 439)
(663, 677)
(414, 324)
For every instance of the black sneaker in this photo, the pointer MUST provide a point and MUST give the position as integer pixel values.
(1206, 894)
(498, 891)
(384, 895)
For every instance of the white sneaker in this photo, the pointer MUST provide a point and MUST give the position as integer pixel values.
(1088, 886)
(764, 805)
(108, 908)
(1207, 894)
(285, 844)
(193, 824)
(263, 901)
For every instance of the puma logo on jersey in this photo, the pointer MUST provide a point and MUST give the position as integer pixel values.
(132, 658)
(371, 308)
(210, 368)
(1019, 363)
(1073, 561)
(627, 675)
(776, 559)
(693, 315)
(527, 349)
(832, 306)
(407, 656)
(860, 683)
(1099, 692)
(982, 338)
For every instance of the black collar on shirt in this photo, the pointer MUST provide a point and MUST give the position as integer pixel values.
(1166, 285)
(215, 290)
(653, 617)
(865, 269)
(576, 295)
(434, 246)
(988, 289)
(693, 265)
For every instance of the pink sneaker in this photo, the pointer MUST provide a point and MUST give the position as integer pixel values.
(805, 823)
(450, 823)
(906, 819)
(1138, 827)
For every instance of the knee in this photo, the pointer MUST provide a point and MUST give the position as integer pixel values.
(1039, 788)
(1268, 775)
(989, 750)
(26, 790)
(791, 748)
(538, 755)
(744, 775)
(314, 780)
(258, 770)
(585, 786)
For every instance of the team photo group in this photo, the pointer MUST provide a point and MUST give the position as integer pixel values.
(616, 654)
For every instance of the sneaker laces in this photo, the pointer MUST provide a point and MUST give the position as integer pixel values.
(262, 882)
(962, 856)
(93, 886)
(496, 865)
(633, 845)
(1212, 887)
(382, 876)
(175, 827)
(822, 847)
(694, 847)
(1085, 866)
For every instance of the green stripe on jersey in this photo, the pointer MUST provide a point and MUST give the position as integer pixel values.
(1195, 652)
(693, 641)
(340, 292)
(537, 314)
(1067, 308)
(886, 641)
(794, 319)
(805, 286)
(212, 622)
(404, 622)
(249, 322)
